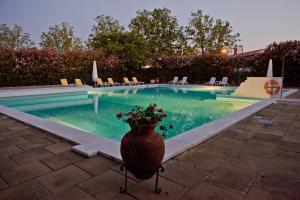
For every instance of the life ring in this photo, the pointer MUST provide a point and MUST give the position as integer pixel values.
(272, 87)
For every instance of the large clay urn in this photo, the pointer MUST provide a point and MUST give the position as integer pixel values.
(142, 150)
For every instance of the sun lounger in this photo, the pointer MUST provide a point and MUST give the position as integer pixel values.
(64, 82)
(224, 81)
(78, 82)
(112, 83)
(101, 83)
(136, 82)
(183, 81)
(212, 81)
(127, 82)
(174, 81)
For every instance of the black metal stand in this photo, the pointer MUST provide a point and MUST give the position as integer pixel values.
(156, 189)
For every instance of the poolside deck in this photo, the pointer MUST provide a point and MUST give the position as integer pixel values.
(249, 160)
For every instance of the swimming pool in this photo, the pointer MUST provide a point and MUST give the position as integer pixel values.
(95, 111)
(86, 116)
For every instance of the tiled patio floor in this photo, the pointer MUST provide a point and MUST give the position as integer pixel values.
(247, 161)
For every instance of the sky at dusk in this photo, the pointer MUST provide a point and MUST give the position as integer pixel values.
(260, 22)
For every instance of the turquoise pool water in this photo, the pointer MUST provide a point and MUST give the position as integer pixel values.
(95, 111)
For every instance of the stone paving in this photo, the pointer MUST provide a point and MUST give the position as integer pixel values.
(249, 160)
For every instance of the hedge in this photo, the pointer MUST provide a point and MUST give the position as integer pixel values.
(45, 66)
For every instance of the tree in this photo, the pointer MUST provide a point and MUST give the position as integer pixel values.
(61, 38)
(109, 37)
(14, 37)
(160, 28)
(209, 35)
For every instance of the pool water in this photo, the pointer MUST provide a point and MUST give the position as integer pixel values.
(95, 111)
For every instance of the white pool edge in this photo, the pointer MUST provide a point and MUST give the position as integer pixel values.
(89, 145)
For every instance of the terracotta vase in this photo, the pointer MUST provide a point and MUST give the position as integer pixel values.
(142, 150)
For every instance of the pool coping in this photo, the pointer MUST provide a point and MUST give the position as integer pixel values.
(89, 145)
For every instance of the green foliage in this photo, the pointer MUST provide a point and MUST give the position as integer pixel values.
(109, 37)
(161, 30)
(209, 35)
(14, 37)
(61, 38)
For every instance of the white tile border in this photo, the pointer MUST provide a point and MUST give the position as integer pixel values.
(89, 145)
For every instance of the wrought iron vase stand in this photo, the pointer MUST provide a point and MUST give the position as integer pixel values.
(156, 189)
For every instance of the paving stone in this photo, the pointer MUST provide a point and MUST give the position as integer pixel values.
(124, 196)
(31, 155)
(40, 142)
(296, 124)
(105, 186)
(145, 189)
(63, 178)
(29, 190)
(62, 159)
(208, 191)
(285, 155)
(276, 132)
(10, 150)
(283, 167)
(224, 152)
(244, 163)
(267, 137)
(6, 163)
(96, 165)
(24, 172)
(293, 131)
(203, 160)
(2, 184)
(237, 135)
(259, 145)
(59, 147)
(290, 146)
(53, 138)
(73, 193)
(283, 186)
(259, 194)
(184, 173)
(11, 141)
(293, 139)
(117, 169)
(33, 135)
(18, 127)
(232, 180)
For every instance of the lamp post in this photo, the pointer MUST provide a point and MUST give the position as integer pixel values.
(283, 66)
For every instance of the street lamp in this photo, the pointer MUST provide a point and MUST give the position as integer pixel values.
(223, 51)
(283, 66)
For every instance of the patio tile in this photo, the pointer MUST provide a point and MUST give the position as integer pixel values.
(24, 172)
(205, 190)
(63, 178)
(41, 142)
(6, 163)
(105, 185)
(10, 150)
(224, 152)
(62, 159)
(267, 137)
(259, 194)
(184, 173)
(283, 167)
(145, 189)
(11, 141)
(292, 139)
(290, 146)
(2, 184)
(203, 160)
(53, 138)
(33, 135)
(236, 135)
(59, 147)
(283, 186)
(230, 179)
(257, 145)
(96, 165)
(30, 190)
(73, 193)
(31, 155)
(247, 164)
